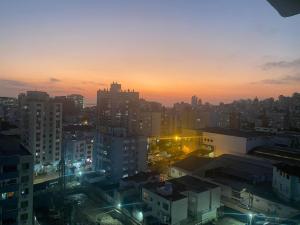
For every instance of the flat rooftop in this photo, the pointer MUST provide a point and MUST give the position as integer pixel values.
(233, 132)
(10, 146)
(180, 185)
(174, 196)
(141, 177)
(192, 163)
(279, 154)
(263, 190)
(189, 183)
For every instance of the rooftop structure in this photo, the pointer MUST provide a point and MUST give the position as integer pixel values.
(233, 132)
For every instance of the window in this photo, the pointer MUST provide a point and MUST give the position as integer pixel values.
(9, 168)
(7, 195)
(24, 192)
(24, 216)
(24, 204)
(25, 166)
(24, 179)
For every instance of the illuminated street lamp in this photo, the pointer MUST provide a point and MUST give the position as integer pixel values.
(119, 206)
(250, 218)
(140, 216)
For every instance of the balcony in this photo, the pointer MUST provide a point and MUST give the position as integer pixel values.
(9, 175)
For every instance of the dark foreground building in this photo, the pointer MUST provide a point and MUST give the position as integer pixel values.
(16, 185)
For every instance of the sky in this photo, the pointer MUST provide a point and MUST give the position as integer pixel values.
(168, 50)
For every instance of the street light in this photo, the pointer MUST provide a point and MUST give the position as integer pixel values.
(140, 216)
(177, 138)
(250, 218)
(119, 206)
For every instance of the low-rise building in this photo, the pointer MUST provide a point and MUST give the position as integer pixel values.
(286, 181)
(229, 141)
(181, 201)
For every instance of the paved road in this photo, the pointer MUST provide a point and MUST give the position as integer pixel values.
(46, 177)
(229, 221)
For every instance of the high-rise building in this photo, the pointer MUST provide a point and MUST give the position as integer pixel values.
(78, 100)
(121, 149)
(194, 101)
(41, 128)
(16, 185)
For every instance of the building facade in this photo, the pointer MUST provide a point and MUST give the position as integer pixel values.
(286, 181)
(41, 128)
(16, 183)
(184, 200)
(121, 149)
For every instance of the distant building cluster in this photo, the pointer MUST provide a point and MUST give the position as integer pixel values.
(185, 164)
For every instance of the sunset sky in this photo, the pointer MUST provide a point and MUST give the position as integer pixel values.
(168, 50)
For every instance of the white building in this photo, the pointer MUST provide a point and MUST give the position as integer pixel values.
(228, 141)
(41, 128)
(78, 150)
(181, 201)
(121, 156)
(16, 183)
(121, 148)
(246, 184)
(286, 181)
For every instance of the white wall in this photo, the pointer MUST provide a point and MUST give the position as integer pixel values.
(176, 172)
(179, 211)
(224, 144)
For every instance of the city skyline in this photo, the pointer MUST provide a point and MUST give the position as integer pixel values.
(167, 52)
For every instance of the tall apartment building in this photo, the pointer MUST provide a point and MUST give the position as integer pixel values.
(16, 185)
(78, 100)
(41, 128)
(121, 150)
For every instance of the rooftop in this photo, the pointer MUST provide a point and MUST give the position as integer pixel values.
(10, 146)
(141, 177)
(175, 195)
(180, 185)
(192, 163)
(282, 154)
(189, 183)
(232, 132)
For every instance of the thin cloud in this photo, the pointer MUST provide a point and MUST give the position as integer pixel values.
(281, 64)
(13, 83)
(94, 83)
(289, 79)
(54, 80)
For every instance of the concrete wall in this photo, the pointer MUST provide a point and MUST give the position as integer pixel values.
(286, 186)
(176, 212)
(224, 144)
(179, 211)
(176, 172)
